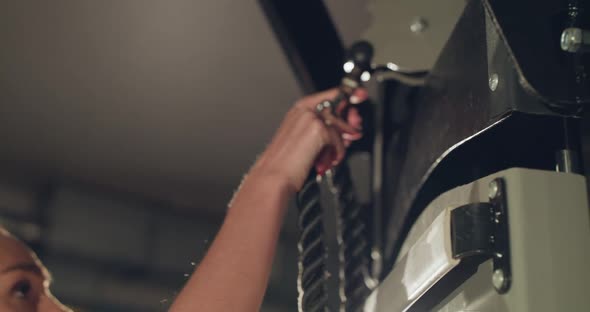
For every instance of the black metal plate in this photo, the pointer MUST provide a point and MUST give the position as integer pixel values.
(532, 29)
(459, 132)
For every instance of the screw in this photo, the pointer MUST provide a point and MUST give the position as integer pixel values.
(497, 217)
(418, 25)
(493, 82)
(575, 40)
(494, 190)
(348, 67)
(499, 280)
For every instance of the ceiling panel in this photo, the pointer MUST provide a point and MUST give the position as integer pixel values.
(170, 99)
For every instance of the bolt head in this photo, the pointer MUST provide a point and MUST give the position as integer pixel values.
(418, 25)
(493, 82)
(499, 280)
(348, 67)
(571, 39)
(494, 189)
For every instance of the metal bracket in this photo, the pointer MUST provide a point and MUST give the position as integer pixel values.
(481, 229)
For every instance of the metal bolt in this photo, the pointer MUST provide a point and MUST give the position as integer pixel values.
(348, 67)
(575, 40)
(418, 25)
(494, 189)
(497, 217)
(493, 82)
(499, 280)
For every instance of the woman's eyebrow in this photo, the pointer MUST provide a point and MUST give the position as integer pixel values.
(28, 267)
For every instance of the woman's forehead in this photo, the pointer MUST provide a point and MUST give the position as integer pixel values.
(13, 252)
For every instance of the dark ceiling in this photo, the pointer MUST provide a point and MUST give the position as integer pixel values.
(170, 100)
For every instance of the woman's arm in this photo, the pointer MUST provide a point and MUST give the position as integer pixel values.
(234, 273)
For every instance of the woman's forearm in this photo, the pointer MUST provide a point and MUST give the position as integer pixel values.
(234, 273)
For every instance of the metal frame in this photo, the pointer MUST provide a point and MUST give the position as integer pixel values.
(309, 40)
(549, 228)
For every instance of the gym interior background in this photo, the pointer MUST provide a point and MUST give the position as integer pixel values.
(125, 126)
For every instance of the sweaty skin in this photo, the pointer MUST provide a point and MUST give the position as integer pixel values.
(24, 281)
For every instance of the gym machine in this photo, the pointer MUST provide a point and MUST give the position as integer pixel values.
(478, 134)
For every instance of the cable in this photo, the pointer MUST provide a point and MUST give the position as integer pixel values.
(311, 280)
(355, 280)
(353, 254)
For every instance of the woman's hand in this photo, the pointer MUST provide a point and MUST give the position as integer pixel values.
(234, 274)
(307, 138)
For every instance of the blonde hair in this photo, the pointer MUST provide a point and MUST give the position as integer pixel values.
(4, 231)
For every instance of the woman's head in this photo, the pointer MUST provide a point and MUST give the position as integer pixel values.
(24, 281)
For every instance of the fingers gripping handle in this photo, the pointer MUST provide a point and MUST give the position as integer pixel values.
(311, 281)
